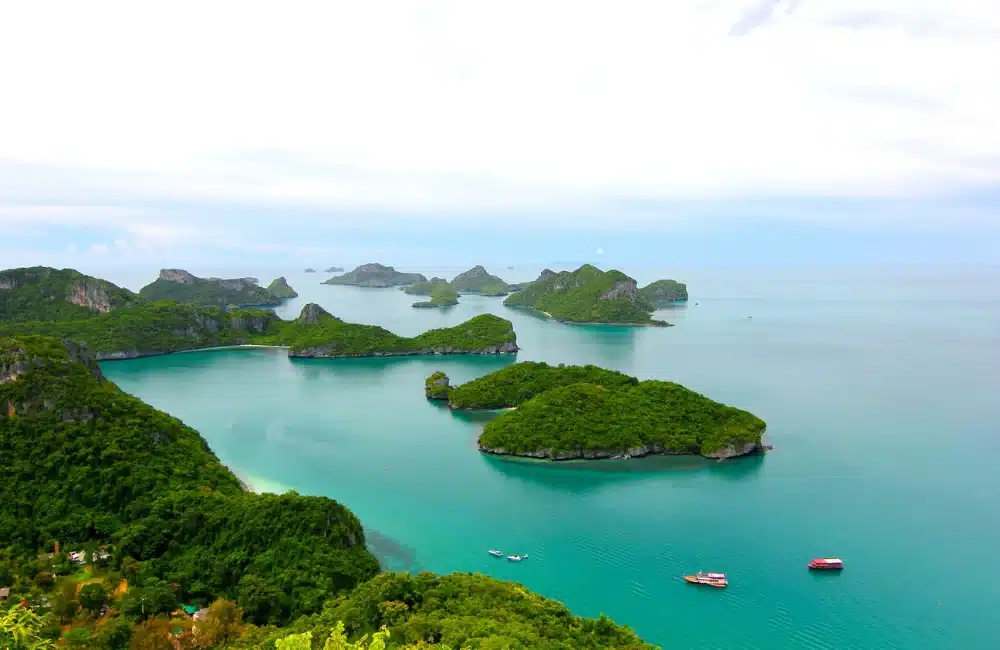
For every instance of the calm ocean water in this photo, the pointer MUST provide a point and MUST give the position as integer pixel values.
(879, 386)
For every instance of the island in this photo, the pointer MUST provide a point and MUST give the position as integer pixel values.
(310, 270)
(423, 288)
(334, 269)
(442, 295)
(436, 386)
(376, 276)
(43, 293)
(586, 412)
(136, 561)
(586, 295)
(279, 289)
(181, 286)
(663, 293)
(478, 280)
(164, 327)
(316, 333)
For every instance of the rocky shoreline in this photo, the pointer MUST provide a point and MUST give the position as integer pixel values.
(508, 347)
(729, 451)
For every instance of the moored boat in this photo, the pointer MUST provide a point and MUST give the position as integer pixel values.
(495, 553)
(826, 564)
(710, 579)
(517, 558)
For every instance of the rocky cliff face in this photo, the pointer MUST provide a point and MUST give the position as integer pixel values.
(92, 294)
(730, 451)
(437, 386)
(179, 276)
(621, 289)
(311, 314)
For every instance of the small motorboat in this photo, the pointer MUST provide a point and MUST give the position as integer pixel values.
(826, 564)
(517, 558)
(710, 579)
(495, 553)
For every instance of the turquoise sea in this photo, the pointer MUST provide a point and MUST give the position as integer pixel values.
(879, 387)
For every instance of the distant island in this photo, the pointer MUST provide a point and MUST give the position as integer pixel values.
(442, 295)
(334, 269)
(423, 288)
(310, 270)
(478, 280)
(181, 286)
(664, 292)
(586, 295)
(279, 288)
(587, 412)
(376, 276)
(43, 293)
(316, 333)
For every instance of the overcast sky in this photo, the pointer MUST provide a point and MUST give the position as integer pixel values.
(508, 130)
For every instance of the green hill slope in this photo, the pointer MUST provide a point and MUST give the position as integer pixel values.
(43, 293)
(586, 295)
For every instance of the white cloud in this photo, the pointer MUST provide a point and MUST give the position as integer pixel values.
(600, 251)
(467, 105)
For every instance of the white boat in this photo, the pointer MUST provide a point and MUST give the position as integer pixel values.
(495, 553)
(517, 558)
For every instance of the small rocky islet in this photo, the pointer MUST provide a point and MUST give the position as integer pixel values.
(587, 412)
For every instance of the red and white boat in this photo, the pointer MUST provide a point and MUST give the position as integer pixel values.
(710, 579)
(826, 564)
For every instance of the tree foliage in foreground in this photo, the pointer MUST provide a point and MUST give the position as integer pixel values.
(88, 463)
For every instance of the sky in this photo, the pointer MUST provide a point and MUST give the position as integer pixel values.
(315, 133)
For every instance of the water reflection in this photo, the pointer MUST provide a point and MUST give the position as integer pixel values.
(587, 476)
(392, 554)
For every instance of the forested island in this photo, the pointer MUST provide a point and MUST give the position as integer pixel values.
(586, 295)
(479, 280)
(442, 295)
(181, 286)
(119, 528)
(279, 289)
(164, 327)
(122, 325)
(664, 292)
(570, 412)
(316, 333)
(376, 276)
(423, 288)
